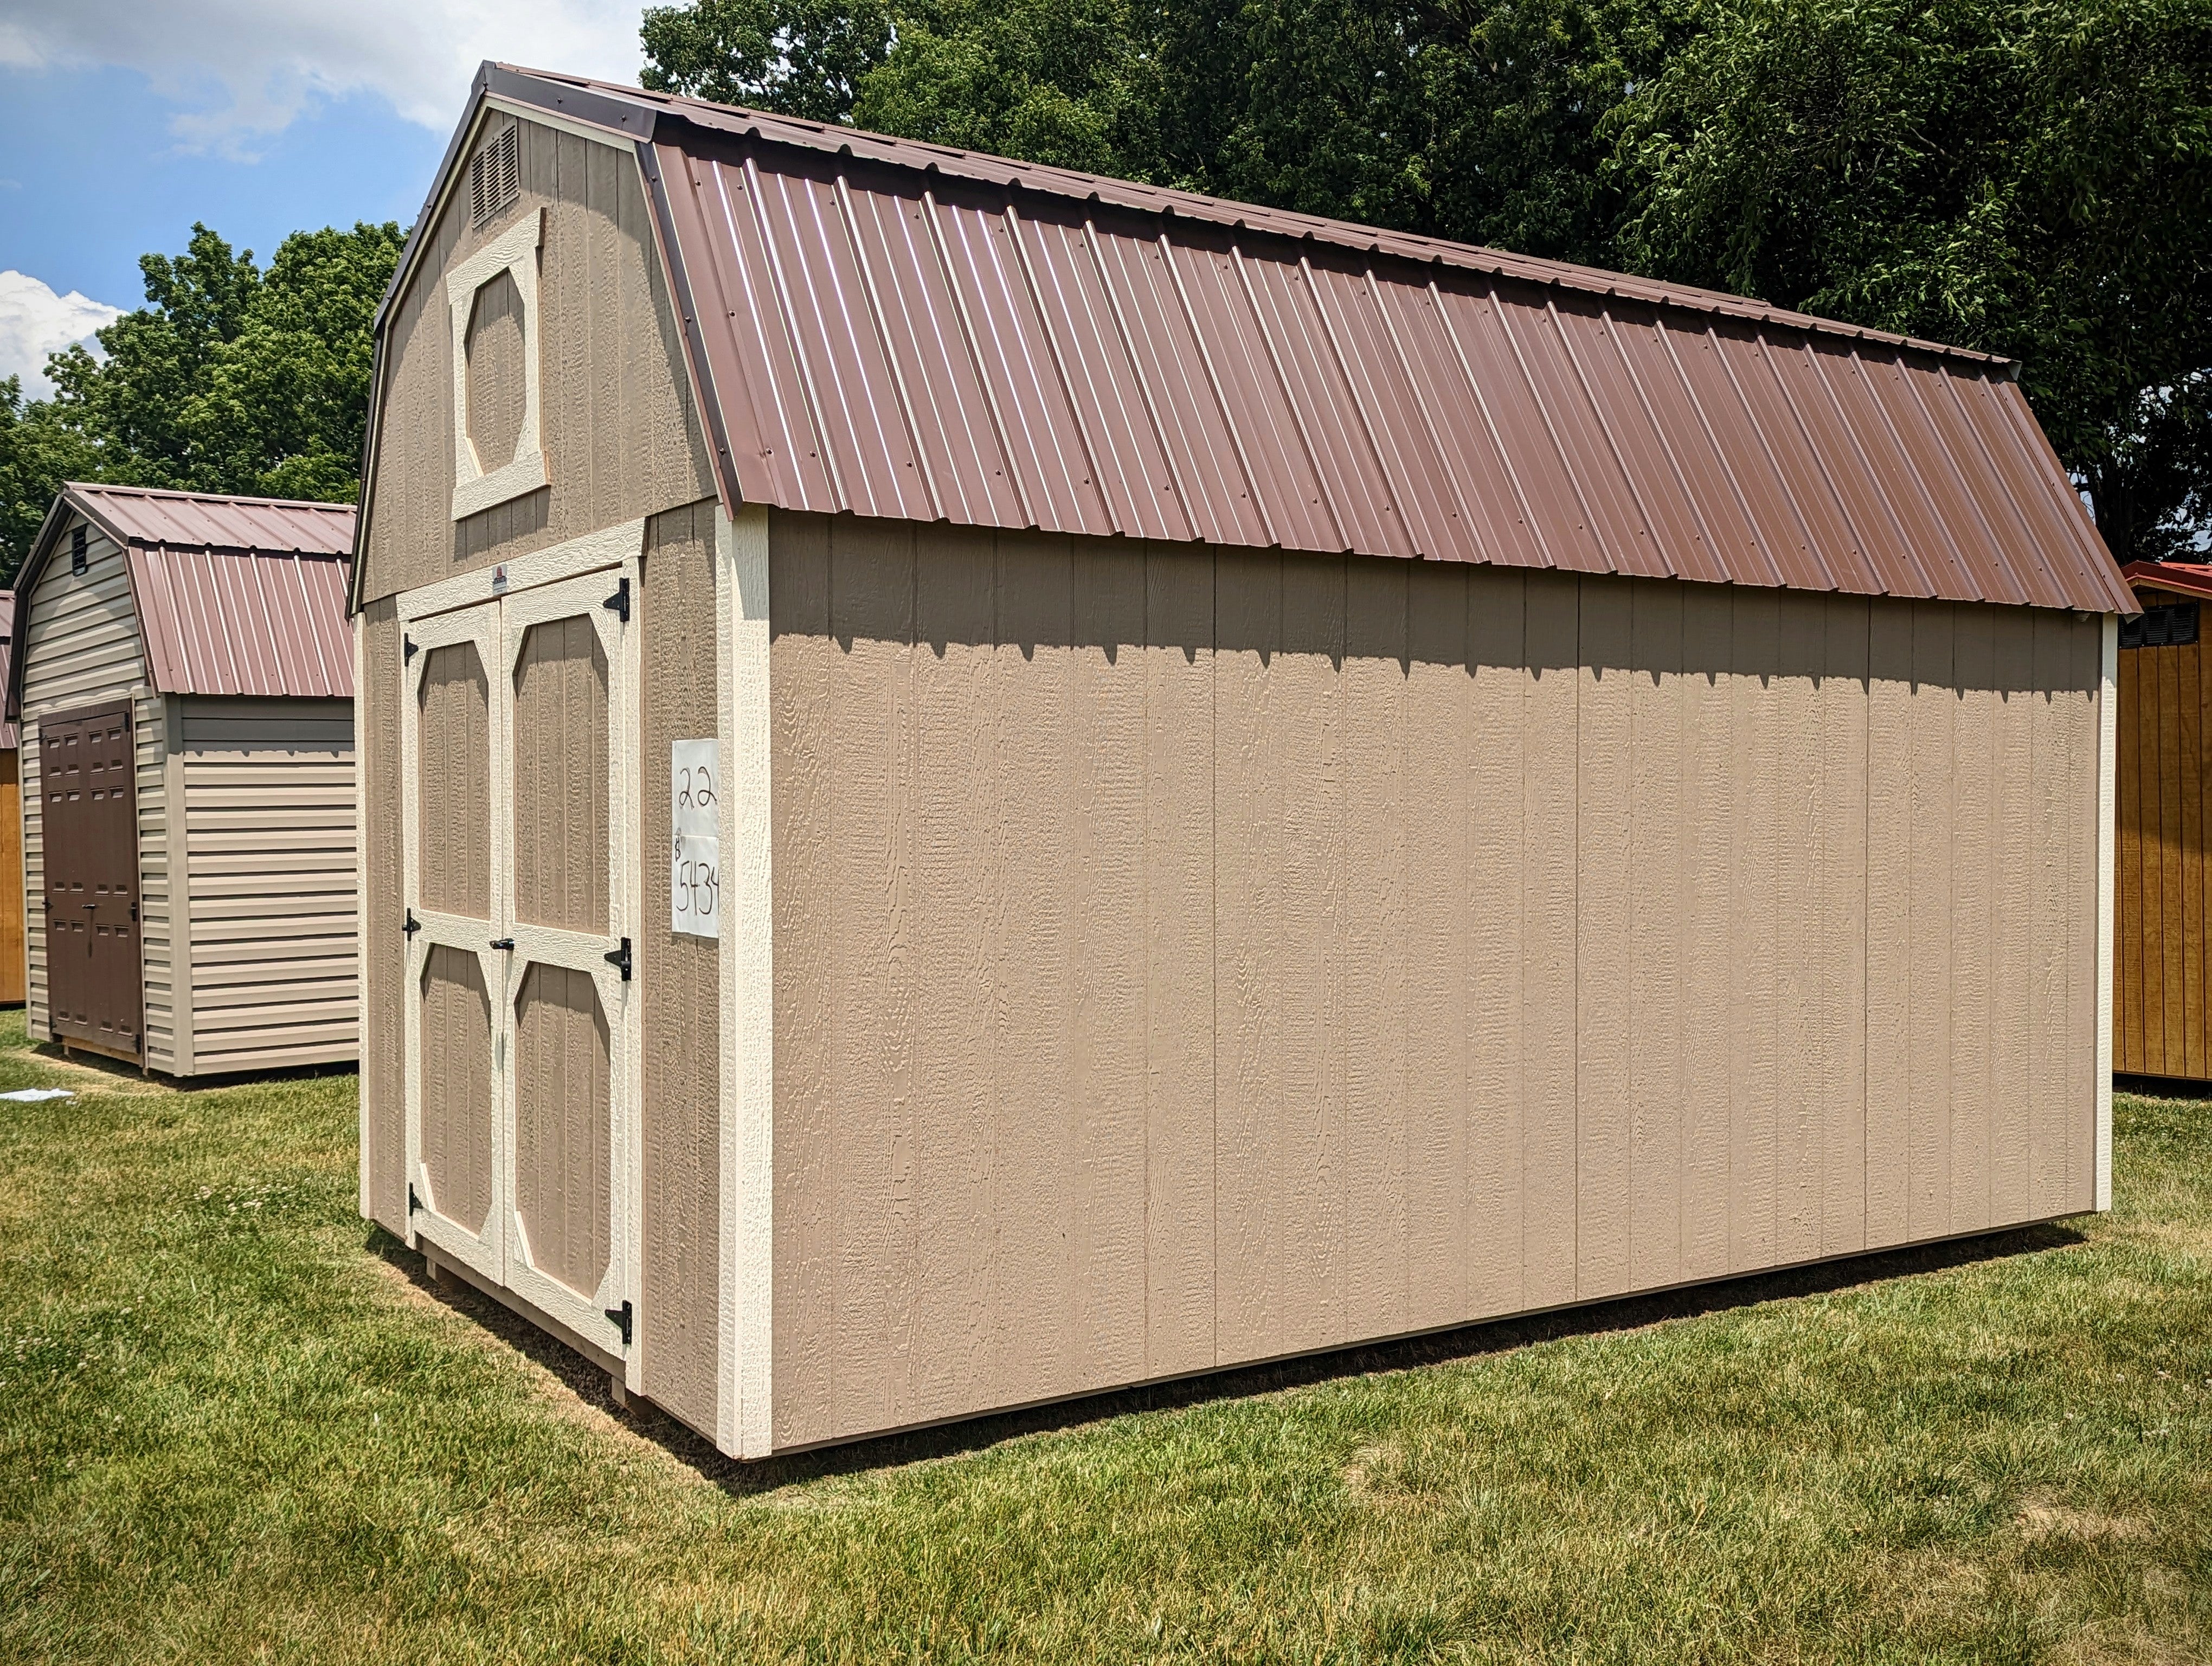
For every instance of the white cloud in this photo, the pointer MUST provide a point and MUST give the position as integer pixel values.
(246, 68)
(34, 321)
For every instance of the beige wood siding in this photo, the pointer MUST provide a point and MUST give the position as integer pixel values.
(457, 1038)
(679, 981)
(1185, 958)
(559, 777)
(383, 1083)
(268, 833)
(561, 1076)
(621, 438)
(79, 637)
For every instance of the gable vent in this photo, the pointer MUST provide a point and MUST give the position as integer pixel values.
(77, 561)
(496, 176)
(2170, 625)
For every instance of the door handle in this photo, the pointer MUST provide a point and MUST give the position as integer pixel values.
(502, 943)
(94, 907)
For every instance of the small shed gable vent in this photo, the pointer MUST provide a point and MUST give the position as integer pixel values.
(2172, 624)
(496, 176)
(78, 562)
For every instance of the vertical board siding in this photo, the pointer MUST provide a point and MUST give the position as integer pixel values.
(561, 832)
(679, 981)
(2162, 981)
(78, 637)
(271, 878)
(1188, 958)
(620, 438)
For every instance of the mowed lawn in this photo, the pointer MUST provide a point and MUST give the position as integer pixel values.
(236, 1424)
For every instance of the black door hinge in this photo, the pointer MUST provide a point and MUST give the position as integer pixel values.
(619, 959)
(620, 1318)
(414, 1203)
(412, 926)
(618, 603)
(502, 942)
(408, 649)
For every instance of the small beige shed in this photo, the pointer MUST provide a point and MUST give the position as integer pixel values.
(982, 784)
(183, 675)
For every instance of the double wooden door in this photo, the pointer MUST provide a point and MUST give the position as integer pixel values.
(521, 1013)
(89, 828)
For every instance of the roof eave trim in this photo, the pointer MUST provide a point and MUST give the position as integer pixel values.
(703, 393)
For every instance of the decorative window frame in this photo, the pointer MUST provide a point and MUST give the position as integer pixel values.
(514, 251)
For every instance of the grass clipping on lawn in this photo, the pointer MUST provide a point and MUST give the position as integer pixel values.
(235, 1424)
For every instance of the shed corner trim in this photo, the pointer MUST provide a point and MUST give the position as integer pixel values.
(745, 1361)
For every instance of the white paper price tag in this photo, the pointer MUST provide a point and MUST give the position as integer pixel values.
(695, 806)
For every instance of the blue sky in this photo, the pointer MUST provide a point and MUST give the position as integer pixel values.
(123, 121)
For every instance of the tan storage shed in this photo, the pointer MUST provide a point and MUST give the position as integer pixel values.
(982, 784)
(2162, 959)
(184, 681)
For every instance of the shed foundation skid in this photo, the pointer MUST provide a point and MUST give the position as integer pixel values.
(906, 877)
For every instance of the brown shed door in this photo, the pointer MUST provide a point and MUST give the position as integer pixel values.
(90, 827)
(519, 999)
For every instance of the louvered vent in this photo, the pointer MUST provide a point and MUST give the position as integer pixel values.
(2170, 625)
(496, 176)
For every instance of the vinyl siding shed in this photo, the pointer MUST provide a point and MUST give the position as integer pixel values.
(183, 682)
(982, 784)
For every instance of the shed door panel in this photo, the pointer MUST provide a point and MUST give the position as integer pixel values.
(455, 1133)
(95, 988)
(567, 997)
(520, 1054)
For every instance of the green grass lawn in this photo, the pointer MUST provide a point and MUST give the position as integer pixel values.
(236, 1424)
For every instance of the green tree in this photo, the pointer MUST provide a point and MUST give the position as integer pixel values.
(229, 380)
(2030, 180)
(1478, 119)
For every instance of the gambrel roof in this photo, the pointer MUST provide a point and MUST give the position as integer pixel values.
(889, 328)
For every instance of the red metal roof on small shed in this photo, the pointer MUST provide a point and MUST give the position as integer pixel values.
(235, 595)
(2184, 578)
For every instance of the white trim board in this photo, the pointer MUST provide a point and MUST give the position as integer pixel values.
(744, 1372)
(514, 251)
(2108, 751)
(609, 547)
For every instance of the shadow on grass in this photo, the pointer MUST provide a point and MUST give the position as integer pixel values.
(2163, 1087)
(131, 1077)
(973, 1434)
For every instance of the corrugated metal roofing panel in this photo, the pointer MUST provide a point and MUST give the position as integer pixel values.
(1067, 366)
(243, 622)
(142, 514)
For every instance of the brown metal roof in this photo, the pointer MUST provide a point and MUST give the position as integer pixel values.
(898, 329)
(233, 595)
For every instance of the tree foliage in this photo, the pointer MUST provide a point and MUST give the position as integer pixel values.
(2029, 180)
(230, 378)
(2026, 178)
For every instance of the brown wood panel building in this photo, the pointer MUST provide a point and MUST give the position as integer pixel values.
(184, 680)
(979, 786)
(2162, 1024)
